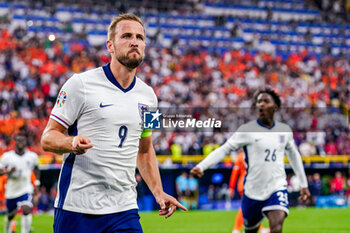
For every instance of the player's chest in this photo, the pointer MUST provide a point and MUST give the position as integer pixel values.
(20, 162)
(112, 106)
(269, 142)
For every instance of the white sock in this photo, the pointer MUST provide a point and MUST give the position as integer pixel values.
(7, 225)
(236, 231)
(26, 223)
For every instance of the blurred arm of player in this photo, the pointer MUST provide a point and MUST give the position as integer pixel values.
(55, 140)
(233, 180)
(298, 168)
(213, 158)
(148, 167)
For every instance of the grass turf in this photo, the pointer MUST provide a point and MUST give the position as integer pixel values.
(309, 220)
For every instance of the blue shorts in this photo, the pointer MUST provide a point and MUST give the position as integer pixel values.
(253, 210)
(13, 204)
(67, 221)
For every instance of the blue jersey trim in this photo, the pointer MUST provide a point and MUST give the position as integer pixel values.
(73, 129)
(262, 125)
(246, 162)
(65, 179)
(66, 173)
(113, 80)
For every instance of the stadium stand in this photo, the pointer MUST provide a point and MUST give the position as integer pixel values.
(193, 61)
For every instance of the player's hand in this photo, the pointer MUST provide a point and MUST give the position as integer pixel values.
(9, 172)
(304, 194)
(80, 145)
(197, 172)
(168, 204)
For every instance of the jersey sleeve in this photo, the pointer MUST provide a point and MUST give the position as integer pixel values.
(295, 160)
(239, 139)
(153, 107)
(70, 102)
(35, 160)
(3, 161)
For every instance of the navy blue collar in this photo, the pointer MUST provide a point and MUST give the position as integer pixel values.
(112, 79)
(262, 125)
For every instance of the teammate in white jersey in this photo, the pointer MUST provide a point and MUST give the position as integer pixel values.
(18, 166)
(265, 142)
(103, 107)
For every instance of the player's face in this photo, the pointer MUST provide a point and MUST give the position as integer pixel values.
(266, 106)
(128, 45)
(21, 142)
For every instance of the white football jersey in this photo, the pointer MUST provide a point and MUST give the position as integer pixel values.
(264, 150)
(93, 104)
(19, 182)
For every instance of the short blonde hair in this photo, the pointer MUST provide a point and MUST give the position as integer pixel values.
(117, 19)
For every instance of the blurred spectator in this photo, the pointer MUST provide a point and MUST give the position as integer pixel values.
(294, 189)
(43, 204)
(338, 184)
(315, 187)
(182, 188)
(307, 148)
(193, 192)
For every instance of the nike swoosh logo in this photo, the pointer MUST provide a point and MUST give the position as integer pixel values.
(256, 140)
(106, 105)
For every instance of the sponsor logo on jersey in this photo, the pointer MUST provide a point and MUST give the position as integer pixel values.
(61, 99)
(105, 105)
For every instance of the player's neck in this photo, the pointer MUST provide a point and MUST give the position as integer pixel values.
(123, 75)
(19, 151)
(267, 122)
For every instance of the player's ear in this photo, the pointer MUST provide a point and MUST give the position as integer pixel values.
(110, 46)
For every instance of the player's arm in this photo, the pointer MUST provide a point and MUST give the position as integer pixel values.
(55, 140)
(4, 166)
(233, 180)
(148, 167)
(298, 168)
(213, 158)
(7, 172)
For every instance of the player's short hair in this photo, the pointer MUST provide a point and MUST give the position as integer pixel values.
(117, 19)
(276, 98)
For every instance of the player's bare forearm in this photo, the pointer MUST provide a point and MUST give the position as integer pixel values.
(55, 140)
(148, 166)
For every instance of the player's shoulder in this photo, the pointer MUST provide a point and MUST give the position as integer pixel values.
(91, 73)
(31, 153)
(7, 154)
(250, 126)
(144, 88)
(283, 127)
(143, 85)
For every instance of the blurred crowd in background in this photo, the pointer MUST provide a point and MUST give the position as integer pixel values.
(34, 66)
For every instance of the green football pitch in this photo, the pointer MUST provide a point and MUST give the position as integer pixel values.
(308, 220)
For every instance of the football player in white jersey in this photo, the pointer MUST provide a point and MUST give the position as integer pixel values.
(264, 142)
(101, 109)
(18, 166)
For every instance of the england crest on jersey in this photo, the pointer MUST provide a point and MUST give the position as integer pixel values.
(142, 109)
(282, 138)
